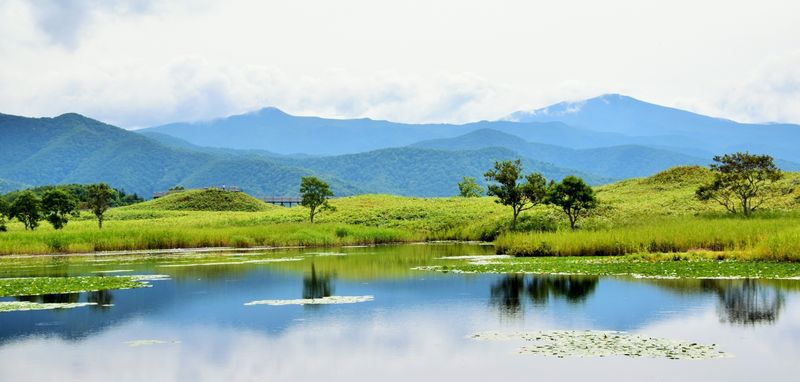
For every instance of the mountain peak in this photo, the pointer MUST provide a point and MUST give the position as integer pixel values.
(270, 111)
(71, 116)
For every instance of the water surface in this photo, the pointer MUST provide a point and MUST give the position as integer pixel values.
(415, 327)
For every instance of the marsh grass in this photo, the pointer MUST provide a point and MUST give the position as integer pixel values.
(756, 238)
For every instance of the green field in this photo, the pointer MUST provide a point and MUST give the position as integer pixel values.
(649, 215)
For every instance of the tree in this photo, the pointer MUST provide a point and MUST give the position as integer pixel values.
(742, 182)
(315, 194)
(469, 188)
(27, 208)
(574, 197)
(97, 199)
(57, 206)
(4, 214)
(520, 196)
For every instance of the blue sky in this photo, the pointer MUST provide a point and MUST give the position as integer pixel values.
(143, 63)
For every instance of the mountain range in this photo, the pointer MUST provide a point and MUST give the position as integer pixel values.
(266, 152)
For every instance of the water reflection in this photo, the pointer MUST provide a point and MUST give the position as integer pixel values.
(57, 298)
(508, 293)
(102, 298)
(317, 286)
(747, 302)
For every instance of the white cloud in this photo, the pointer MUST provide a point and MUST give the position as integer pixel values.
(151, 62)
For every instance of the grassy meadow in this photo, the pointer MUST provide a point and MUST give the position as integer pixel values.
(658, 214)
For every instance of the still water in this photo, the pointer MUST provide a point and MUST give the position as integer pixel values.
(195, 326)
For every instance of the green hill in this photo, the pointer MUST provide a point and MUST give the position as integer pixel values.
(205, 200)
(75, 149)
(425, 172)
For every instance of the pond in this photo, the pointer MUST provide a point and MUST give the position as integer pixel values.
(366, 313)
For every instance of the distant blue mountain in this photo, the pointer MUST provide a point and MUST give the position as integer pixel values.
(617, 162)
(609, 120)
(272, 130)
(619, 114)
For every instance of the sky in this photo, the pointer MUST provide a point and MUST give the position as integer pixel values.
(144, 63)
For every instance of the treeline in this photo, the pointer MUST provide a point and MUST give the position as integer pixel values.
(80, 192)
(57, 204)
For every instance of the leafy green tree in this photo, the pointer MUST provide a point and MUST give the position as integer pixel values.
(574, 197)
(27, 208)
(4, 212)
(98, 197)
(742, 182)
(315, 194)
(511, 189)
(469, 188)
(57, 206)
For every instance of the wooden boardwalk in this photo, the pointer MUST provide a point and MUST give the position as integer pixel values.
(282, 200)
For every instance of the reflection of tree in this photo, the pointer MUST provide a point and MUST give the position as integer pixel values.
(103, 298)
(574, 289)
(316, 286)
(56, 298)
(508, 292)
(748, 302)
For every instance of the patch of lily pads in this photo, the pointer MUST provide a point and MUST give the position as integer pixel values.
(664, 266)
(315, 301)
(32, 286)
(17, 306)
(594, 343)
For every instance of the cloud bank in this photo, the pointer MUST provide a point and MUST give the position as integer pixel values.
(143, 63)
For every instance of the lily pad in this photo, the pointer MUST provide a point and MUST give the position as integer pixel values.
(593, 343)
(315, 301)
(16, 306)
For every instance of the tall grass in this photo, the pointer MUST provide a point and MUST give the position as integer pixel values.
(770, 237)
(133, 235)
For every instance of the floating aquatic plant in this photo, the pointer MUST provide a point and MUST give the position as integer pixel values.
(593, 343)
(315, 301)
(16, 306)
(30, 286)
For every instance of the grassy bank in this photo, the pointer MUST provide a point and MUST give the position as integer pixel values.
(648, 215)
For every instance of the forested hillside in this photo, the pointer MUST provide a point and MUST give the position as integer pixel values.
(75, 149)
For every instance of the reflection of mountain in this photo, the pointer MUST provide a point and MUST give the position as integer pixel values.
(509, 292)
(317, 286)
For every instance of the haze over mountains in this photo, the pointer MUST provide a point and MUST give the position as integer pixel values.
(266, 152)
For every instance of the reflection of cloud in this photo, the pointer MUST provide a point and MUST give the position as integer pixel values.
(402, 346)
